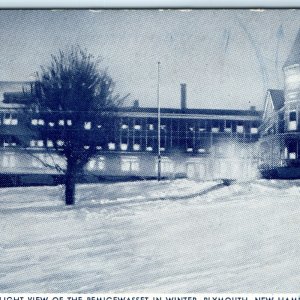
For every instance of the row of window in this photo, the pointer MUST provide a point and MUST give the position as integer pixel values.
(214, 129)
(9, 119)
(128, 164)
(111, 146)
(40, 122)
(291, 123)
(190, 146)
(88, 125)
(215, 126)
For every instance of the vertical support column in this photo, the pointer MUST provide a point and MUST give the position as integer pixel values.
(171, 133)
(158, 125)
(194, 136)
(145, 131)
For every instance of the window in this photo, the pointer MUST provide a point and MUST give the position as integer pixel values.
(40, 143)
(49, 143)
(10, 119)
(286, 153)
(151, 127)
(136, 147)
(293, 116)
(101, 163)
(135, 165)
(125, 165)
(34, 122)
(292, 120)
(60, 143)
(96, 164)
(167, 165)
(137, 127)
(14, 121)
(91, 164)
(240, 128)
(87, 125)
(69, 122)
(9, 141)
(292, 150)
(124, 126)
(254, 130)
(202, 126)
(111, 146)
(228, 126)
(41, 122)
(61, 122)
(33, 143)
(130, 164)
(215, 126)
(51, 124)
(124, 147)
(8, 160)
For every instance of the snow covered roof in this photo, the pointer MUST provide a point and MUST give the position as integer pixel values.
(222, 112)
(294, 56)
(277, 97)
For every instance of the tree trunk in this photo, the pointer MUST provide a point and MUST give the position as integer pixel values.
(70, 183)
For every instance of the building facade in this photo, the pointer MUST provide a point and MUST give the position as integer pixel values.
(205, 144)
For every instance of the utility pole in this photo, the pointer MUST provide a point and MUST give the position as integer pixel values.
(158, 125)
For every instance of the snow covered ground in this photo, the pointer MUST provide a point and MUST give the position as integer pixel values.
(172, 236)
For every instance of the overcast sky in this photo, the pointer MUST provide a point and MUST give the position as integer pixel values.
(227, 58)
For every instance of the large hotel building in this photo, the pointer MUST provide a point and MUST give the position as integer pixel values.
(206, 144)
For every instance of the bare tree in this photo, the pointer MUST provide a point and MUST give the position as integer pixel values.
(76, 100)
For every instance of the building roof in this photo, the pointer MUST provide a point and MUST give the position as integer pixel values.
(223, 112)
(14, 96)
(294, 56)
(277, 97)
(12, 86)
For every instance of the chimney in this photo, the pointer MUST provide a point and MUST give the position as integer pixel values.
(136, 104)
(252, 108)
(183, 96)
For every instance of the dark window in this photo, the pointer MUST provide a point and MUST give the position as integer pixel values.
(228, 124)
(215, 124)
(293, 116)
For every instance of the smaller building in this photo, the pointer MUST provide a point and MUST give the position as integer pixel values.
(280, 130)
